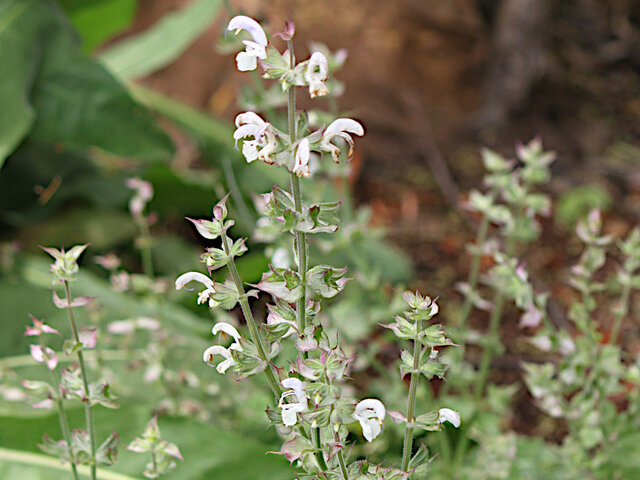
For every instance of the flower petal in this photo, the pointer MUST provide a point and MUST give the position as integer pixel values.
(242, 22)
(226, 328)
(185, 278)
(448, 415)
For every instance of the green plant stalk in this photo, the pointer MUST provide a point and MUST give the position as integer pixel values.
(317, 441)
(411, 402)
(300, 241)
(341, 462)
(62, 416)
(622, 312)
(494, 324)
(145, 247)
(487, 353)
(88, 414)
(251, 322)
(474, 272)
(472, 280)
(300, 237)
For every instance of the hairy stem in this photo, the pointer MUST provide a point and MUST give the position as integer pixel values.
(62, 416)
(407, 446)
(251, 322)
(341, 462)
(88, 414)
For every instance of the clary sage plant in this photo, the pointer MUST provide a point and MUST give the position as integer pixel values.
(311, 408)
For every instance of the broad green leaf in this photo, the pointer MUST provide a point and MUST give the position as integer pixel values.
(69, 100)
(98, 20)
(80, 105)
(161, 44)
(19, 57)
(35, 466)
(209, 451)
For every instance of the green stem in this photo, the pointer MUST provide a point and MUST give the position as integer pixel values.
(145, 248)
(317, 441)
(487, 353)
(407, 446)
(88, 415)
(472, 280)
(251, 322)
(62, 416)
(474, 272)
(300, 239)
(621, 312)
(494, 325)
(341, 462)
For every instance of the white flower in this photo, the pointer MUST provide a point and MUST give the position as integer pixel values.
(219, 350)
(341, 128)
(303, 153)
(370, 413)
(316, 74)
(256, 49)
(230, 330)
(295, 388)
(205, 295)
(448, 415)
(250, 124)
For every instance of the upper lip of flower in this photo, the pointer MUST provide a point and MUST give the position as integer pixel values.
(341, 127)
(229, 330)
(255, 49)
(219, 350)
(242, 22)
(448, 415)
(188, 277)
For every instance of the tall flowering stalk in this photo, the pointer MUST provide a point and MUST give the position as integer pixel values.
(43, 354)
(310, 409)
(82, 446)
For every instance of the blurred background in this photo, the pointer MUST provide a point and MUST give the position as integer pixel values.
(103, 90)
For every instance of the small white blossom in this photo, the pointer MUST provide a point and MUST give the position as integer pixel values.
(219, 350)
(295, 388)
(303, 153)
(250, 124)
(448, 415)
(205, 295)
(370, 413)
(341, 128)
(230, 330)
(316, 74)
(256, 49)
